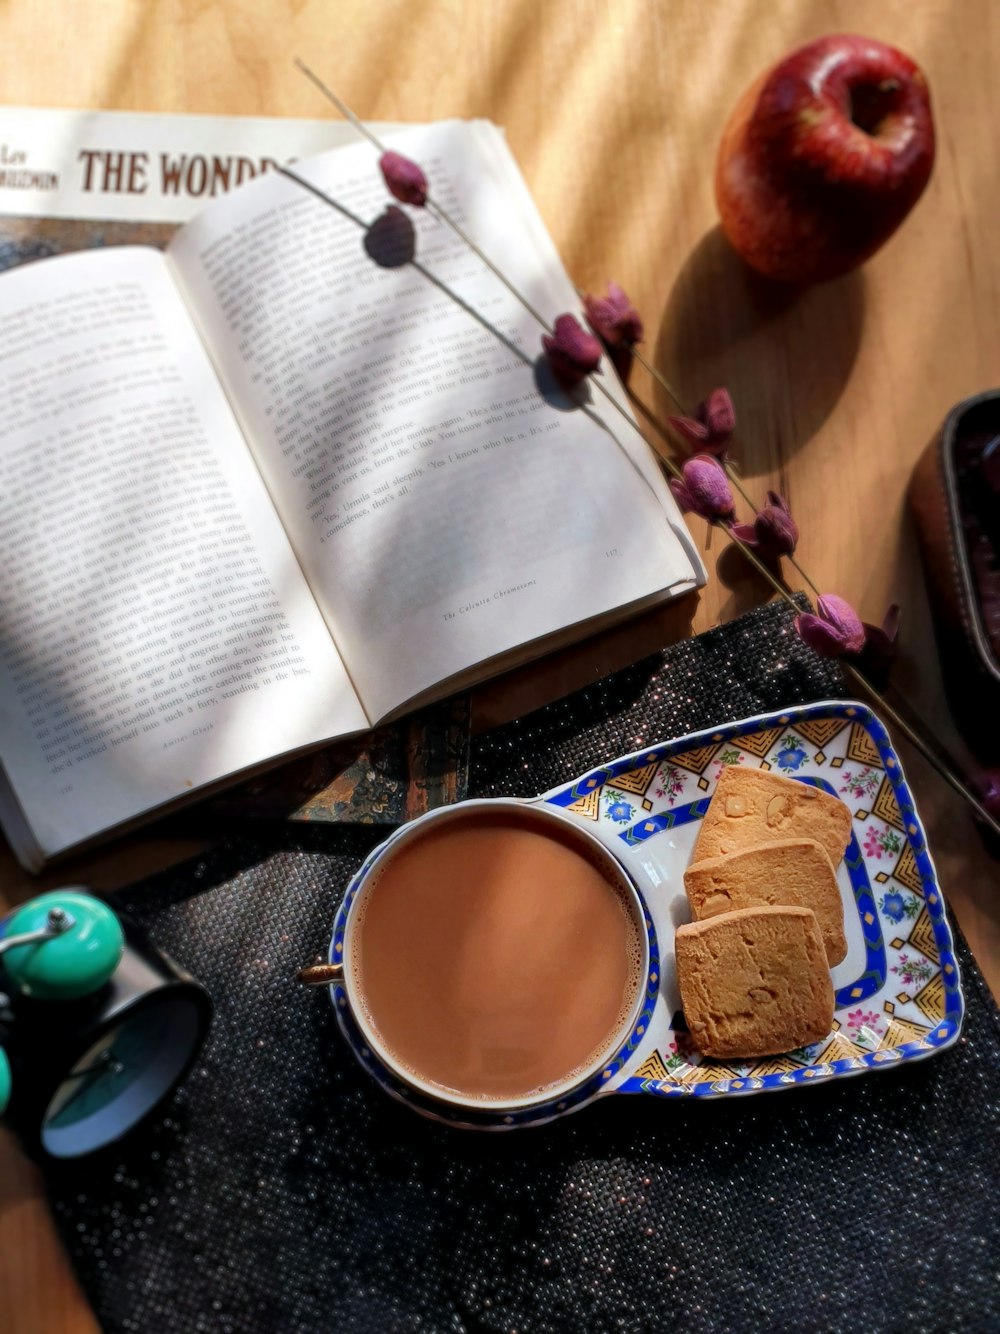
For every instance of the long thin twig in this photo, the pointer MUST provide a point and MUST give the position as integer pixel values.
(442, 213)
(923, 747)
(731, 472)
(932, 757)
(901, 724)
(431, 204)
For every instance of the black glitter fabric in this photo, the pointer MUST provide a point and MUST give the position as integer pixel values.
(282, 1191)
(748, 666)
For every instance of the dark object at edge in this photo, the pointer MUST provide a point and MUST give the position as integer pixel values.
(956, 509)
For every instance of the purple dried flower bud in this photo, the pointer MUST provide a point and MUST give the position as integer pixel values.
(613, 318)
(405, 180)
(617, 324)
(718, 414)
(836, 631)
(705, 489)
(745, 532)
(776, 531)
(694, 432)
(712, 425)
(573, 353)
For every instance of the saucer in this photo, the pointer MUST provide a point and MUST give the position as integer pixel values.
(897, 991)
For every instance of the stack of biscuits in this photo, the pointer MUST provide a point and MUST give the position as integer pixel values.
(754, 965)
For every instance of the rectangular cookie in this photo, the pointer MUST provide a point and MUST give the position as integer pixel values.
(792, 871)
(754, 982)
(751, 806)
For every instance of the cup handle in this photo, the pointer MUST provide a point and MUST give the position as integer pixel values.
(321, 974)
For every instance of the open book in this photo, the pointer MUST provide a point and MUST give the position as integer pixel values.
(278, 484)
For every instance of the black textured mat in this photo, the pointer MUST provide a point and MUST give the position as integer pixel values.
(282, 1191)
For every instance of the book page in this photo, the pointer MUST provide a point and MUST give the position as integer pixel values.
(446, 501)
(155, 630)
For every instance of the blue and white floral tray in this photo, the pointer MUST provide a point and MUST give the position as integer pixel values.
(898, 996)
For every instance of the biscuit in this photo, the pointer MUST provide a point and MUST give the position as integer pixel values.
(791, 871)
(751, 806)
(754, 982)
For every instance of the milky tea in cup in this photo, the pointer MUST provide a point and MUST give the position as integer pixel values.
(495, 956)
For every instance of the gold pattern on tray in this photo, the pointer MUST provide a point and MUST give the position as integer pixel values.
(838, 1050)
(930, 1001)
(636, 781)
(821, 731)
(775, 1065)
(922, 936)
(706, 1073)
(886, 807)
(906, 871)
(652, 1068)
(862, 748)
(589, 806)
(759, 743)
(901, 1031)
(695, 761)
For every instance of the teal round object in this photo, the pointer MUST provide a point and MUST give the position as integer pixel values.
(5, 1081)
(73, 964)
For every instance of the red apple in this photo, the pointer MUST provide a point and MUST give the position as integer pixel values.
(823, 157)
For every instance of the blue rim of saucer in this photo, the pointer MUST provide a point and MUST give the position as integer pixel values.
(466, 1117)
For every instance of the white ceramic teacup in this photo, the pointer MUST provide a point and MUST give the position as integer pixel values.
(397, 1078)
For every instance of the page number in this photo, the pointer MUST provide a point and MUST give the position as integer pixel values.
(611, 553)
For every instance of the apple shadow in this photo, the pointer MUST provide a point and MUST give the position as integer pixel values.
(784, 353)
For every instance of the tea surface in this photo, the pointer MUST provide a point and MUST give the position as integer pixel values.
(494, 958)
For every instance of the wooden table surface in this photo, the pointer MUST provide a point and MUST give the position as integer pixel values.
(614, 112)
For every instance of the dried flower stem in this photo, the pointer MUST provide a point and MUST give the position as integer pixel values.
(926, 750)
(342, 107)
(432, 205)
(445, 217)
(731, 471)
(923, 747)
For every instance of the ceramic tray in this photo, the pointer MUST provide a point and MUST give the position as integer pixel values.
(898, 996)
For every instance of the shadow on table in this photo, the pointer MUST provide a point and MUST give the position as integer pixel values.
(784, 353)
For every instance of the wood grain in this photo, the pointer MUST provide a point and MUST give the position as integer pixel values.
(613, 112)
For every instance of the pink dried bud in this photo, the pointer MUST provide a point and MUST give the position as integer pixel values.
(745, 532)
(405, 180)
(705, 489)
(712, 425)
(718, 414)
(573, 353)
(613, 318)
(776, 531)
(836, 631)
(617, 324)
(694, 432)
